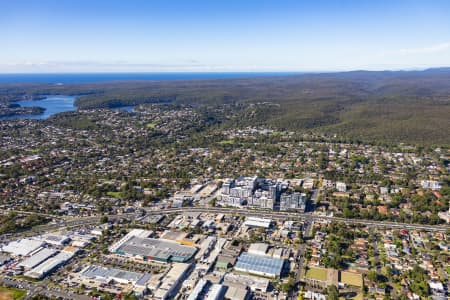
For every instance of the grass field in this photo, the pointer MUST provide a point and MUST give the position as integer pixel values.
(11, 293)
(114, 194)
(227, 142)
(278, 133)
(353, 279)
(317, 273)
(150, 125)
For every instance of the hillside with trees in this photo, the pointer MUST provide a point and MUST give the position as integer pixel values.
(386, 107)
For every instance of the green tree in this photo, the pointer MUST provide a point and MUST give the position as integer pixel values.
(372, 275)
(333, 293)
(287, 286)
(104, 219)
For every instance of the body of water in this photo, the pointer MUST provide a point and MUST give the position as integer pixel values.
(65, 78)
(53, 104)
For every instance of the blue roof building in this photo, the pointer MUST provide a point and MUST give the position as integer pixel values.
(260, 265)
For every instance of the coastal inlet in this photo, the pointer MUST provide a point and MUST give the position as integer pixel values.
(50, 105)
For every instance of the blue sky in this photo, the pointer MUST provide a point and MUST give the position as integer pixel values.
(231, 35)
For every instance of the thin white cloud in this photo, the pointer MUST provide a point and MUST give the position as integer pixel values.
(427, 50)
(192, 65)
(81, 66)
(133, 66)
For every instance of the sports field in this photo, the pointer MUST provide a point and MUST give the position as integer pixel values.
(317, 274)
(11, 293)
(350, 278)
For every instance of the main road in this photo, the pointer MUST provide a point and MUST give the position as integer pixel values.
(281, 216)
(61, 223)
(309, 217)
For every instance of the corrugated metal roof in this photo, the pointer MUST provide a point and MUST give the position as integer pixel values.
(37, 258)
(260, 264)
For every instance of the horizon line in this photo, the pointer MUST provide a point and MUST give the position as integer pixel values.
(232, 72)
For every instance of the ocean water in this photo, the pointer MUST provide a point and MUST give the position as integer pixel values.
(66, 78)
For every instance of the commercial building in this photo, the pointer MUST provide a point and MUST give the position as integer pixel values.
(237, 292)
(37, 258)
(136, 244)
(49, 265)
(225, 262)
(141, 233)
(258, 284)
(154, 249)
(205, 290)
(251, 191)
(181, 198)
(103, 275)
(151, 219)
(106, 275)
(205, 247)
(99, 230)
(293, 201)
(54, 239)
(81, 240)
(170, 284)
(198, 289)
(258, 249)
(216, 292)
(278, 253)
(79, 244)
(257, 222)
(259, 265)
(22, 247)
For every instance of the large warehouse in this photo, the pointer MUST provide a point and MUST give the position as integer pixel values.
(259, 265)
(152, 249)
(37, 258)
(22, 247)
(41, 270)
(254, 222)
(171, 282)
(106, 275)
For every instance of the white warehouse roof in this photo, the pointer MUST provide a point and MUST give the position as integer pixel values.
(257, 222)
(37, 258)
(49, 265)
(258, 248)
(54, 239)
(22, 247)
